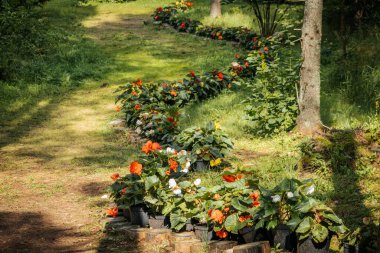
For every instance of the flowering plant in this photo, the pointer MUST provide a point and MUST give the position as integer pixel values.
(280, 203)
(207, 143)
(232, 205)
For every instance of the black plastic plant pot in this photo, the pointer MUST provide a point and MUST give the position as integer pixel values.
(350, 249)
(284, 237)
(310, 246)
(127, 214)
(248, 234)
(139, 215)
(159, 221)
(203, 232)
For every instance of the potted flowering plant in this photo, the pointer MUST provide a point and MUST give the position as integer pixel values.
(315, 226)
(208, 144)
(182, 202)
(279, 208)
(160, 167)
(232, 205)
(128, 192)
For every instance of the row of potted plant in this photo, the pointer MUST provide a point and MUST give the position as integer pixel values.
(160, 186)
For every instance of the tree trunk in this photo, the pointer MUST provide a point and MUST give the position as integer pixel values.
(216, 8)
(309, 120)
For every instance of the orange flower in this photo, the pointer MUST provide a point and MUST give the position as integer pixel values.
(220, 76)
(112, 212)
(134, 93)
(246, 64)
(137, 107)
(222, 233)
(147, 148)
(217, 216)
(173, 165)
(229, 178)
(266, 49)
(220, 37)
(256, 203)
(255, 196)
(156, 146)
(209, 212)
(216, 196)
(173, 93)
(240, 176)
(226, 209)
(165, 85)
(115, 176)
(124, 190)
(192, 73)
(139, 82)
(189, 4)
(237, 56)
(118, 108)
(244, 218)
(167, 172)
(135, 168)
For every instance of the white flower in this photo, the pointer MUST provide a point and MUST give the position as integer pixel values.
(150, 132)
(310, 190)
(172, 183)
(138, 130)
(149, 124)
(169, 150)
(197, 182)
(235, 64)
(105, 196)
(290, 195)
(138, 122)
(185, 170)
(177, 191)
(276, 198)
(182, 152)
(188, 164)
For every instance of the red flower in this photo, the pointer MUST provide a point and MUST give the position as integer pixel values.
(189, 4)
(213, 34)
(165, 85)
(256, 203)
(220, 76)
(135, 168)
(134, 93)
(254, 39)
(115, 176)
(173, 93)
(222, 233)
(174, 124)
(183, 26)
(237, 56)
(229, 178)
(173, 165)
(139, 82)
(266, 49)
(192, 73)
(159, 9)
(118, 108)
(244, 218)
(170, 119)
(137, 107)
(246, 64)
(112, 212)
(124, 190)
(156, 18)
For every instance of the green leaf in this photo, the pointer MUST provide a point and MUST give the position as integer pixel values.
(151, 181)
(231, 223)
(320, 233)
(238, 206)
(332, 217)
(305, 226)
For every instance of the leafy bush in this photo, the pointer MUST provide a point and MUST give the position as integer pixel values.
(206, 143)
(18, 4)
(272, 106)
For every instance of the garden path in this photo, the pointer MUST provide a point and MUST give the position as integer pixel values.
(52, 177)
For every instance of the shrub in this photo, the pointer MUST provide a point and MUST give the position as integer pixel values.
(206, 143)
(272, 106)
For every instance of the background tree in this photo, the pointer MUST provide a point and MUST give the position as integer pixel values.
(309, 120)
(216, 8)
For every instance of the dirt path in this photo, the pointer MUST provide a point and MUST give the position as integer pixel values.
(52, 178)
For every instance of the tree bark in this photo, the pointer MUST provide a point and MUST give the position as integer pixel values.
(309, 120)
(216, 8)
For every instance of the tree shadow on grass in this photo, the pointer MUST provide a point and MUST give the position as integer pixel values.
(31, 232)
